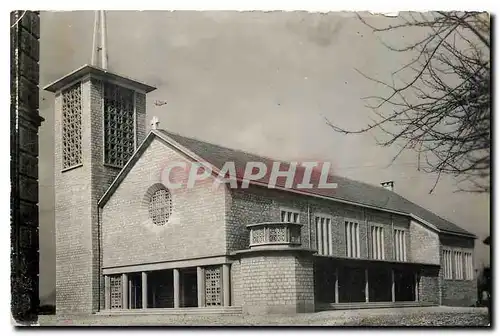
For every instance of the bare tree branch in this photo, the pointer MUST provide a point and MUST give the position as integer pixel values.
(442, 111)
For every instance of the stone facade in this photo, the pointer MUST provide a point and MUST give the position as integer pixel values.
(194, 230)
(457, 292)
(256, 204)
(208, 228)
(79, 285)
(273, 282)
(24, 123)
(424, 244)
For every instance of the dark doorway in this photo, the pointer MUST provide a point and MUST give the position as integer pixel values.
(135, 291)
(189, 287)
(404, 285)
(351, 284)
(324, 281)
(161, 289)
(380, 285)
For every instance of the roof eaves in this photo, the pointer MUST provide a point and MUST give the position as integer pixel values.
(185, 150)
(424, 222)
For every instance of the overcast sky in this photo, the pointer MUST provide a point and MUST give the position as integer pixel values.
(261, 82)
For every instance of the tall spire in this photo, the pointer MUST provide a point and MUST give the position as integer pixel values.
(99, 42)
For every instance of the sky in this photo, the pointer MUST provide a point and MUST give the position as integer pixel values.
(263, 82)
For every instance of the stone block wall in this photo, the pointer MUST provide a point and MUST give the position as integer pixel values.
(429, 285)
(195, 228)
(424, 244)
(79, 284)
(258, 204)
(273, 282)
(457, 292)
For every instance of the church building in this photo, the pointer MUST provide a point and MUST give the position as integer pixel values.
(126, 243)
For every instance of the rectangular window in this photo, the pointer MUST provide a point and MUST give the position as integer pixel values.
(352, 239)
(447, 265)
(399, 245)
(119, 124)
(289, 216)
(115, 291)
(377, 234)
(213, 286)
(324, 235)
(469, 269)
(459, 261)
(72, 126)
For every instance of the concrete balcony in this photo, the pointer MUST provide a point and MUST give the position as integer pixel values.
(285, 234)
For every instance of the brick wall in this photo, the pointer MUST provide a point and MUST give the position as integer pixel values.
(457, 292)
(195, 228)
(273, 283)
(424, 244)
(429, 290)
(257, 204)
(73, 218)
(79, 285)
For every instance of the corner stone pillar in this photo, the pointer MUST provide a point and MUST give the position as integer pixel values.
(282, 280)
(107, 293)
(226, 286)
(200, 286)
(144, 287)
(176, 288)
(125, 291)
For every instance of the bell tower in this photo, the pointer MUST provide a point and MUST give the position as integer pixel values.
(100, 119)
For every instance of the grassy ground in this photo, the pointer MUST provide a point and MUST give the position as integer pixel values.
(428, 316)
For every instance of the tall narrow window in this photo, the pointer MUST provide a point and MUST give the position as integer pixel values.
(289, 216)
(72, 126)
(469, 268)
(324, 235)
(119, 124)
(459, 270)
(115, 291)
(447, 265)
(399, 245)
(377, 234)
(352, 239)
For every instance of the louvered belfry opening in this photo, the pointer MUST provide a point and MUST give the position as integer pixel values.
(119, 124)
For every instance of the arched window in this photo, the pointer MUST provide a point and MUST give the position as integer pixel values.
(160, 205)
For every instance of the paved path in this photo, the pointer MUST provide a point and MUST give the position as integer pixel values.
(426, 316)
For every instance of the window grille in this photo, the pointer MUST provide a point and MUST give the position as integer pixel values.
(277, 234)
(213, 286)
(258, 236)
(399, 245)
(447, 265)
(119, 124)
(459, 261)
(72, 126)
(469, 269)
(289, 216)
(160, 207)
(377, 234)
(323, 235)
(352, 239)
(115, 291)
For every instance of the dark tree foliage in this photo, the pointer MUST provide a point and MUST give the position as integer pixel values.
(440, 107)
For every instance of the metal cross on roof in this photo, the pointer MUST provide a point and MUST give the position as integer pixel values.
(155, 123)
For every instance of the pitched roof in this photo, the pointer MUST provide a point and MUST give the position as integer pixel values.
(347, 190)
